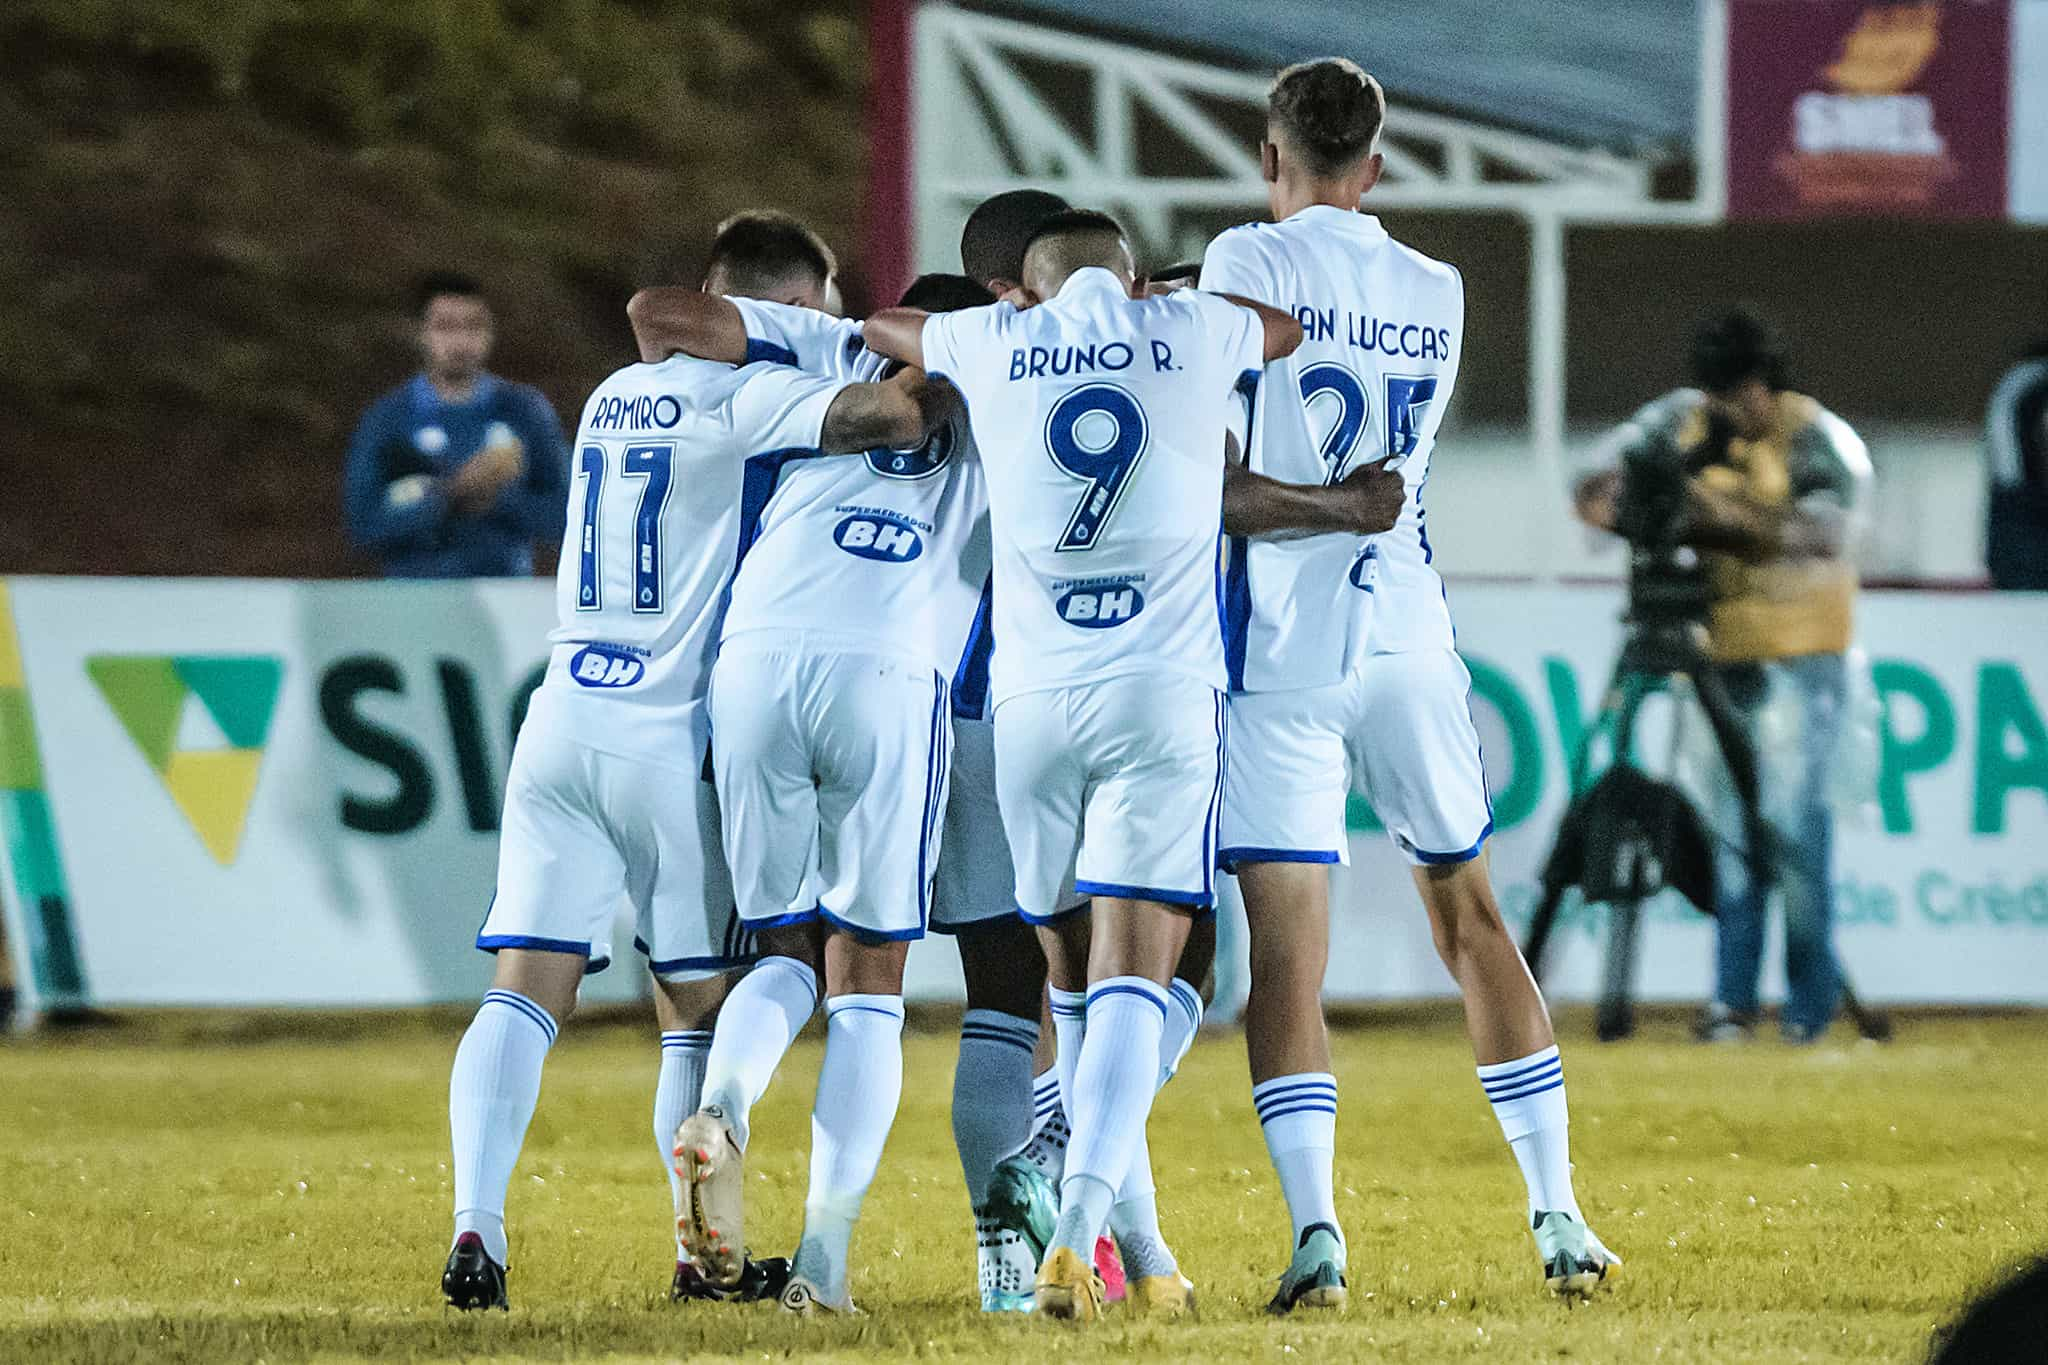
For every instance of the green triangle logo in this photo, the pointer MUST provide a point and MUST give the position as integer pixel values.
(213, 787)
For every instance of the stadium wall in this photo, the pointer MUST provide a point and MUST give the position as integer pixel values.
(286, 793)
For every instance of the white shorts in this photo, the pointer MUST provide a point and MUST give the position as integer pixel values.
(837, 762)
(584, 826)
(1399, 730)
(1115, 785)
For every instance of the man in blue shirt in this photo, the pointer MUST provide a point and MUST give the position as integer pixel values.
(456, 473)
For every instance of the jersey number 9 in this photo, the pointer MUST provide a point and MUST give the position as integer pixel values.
(1095, 434)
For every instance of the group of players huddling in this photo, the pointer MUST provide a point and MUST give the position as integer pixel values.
(939, 621)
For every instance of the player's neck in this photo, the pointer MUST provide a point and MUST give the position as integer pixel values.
(1298, 194)
(455, 389)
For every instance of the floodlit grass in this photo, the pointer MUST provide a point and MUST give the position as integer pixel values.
(208, 1189)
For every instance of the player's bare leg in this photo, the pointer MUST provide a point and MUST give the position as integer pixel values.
(492, 1091)
(1133, 947)
(997, 1104)
(1287, 911)
(759, 1020)
(860, 1084)
(1518, 1061)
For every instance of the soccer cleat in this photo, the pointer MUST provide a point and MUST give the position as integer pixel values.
(472, 1279)
(1068, 1288)
(711, 1223)
(1006, 1265)
(802, 1297)
(1719, 1024)
(762, 1279)
(1574, 1262)
(1022, 1201)
(1161, 1296)
(1315, 1278)
(1109, 1267)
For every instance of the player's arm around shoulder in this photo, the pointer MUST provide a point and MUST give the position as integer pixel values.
(899, 412)
(674, 320)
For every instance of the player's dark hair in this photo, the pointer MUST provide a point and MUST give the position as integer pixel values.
(1072, 222)
(762, 248)
(1000, 228)
(438, 283)
(1329, 110)
(1735, 346)
(938, 293)
(1187, 272)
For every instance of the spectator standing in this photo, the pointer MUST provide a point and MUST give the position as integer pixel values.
(457, 472)
(2016, 458)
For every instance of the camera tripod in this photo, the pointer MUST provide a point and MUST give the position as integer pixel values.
(1653, 654)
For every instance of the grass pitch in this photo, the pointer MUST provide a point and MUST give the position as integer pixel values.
(216, 1189)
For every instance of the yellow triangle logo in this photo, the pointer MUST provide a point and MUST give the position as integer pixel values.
(213, 788)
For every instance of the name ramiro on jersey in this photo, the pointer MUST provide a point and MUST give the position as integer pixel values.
(638, 412)
(1369, 333)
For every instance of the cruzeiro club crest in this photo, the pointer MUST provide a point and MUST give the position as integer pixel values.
(201, 721)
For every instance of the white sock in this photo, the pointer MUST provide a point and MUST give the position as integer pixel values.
(1527, 1095)
(1134, 1219)
(676, 1092)
(859, 1087)
(1183, 1022)
(1047, 1149)
(1299, 1116)
(1114, 1082)
(756, 1025)
(1069, 1025)
(491, 1093)
(992, 1094)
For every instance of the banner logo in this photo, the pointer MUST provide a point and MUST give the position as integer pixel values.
(200, 720)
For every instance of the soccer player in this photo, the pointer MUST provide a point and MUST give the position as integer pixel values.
(1342, 662)
(1106, 678)
(605, 794)
(850, 614)
(458, 472)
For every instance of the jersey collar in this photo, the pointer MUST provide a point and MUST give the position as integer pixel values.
(1363, 225)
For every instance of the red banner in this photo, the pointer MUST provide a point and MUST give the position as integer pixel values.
(1867, 108)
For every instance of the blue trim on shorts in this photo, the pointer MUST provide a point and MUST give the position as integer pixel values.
(1056, 916)
(1464, 855)
(691, 964)
(936, 759)
(491, 943)
(869, 935)
(1194, 900)
(1212, 826)
(755, 926)
(1234, 857)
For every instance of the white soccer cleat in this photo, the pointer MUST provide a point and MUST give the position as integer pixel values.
(807, 1300)
(711, 1212)
(1574, 1261)
(1007, 1267)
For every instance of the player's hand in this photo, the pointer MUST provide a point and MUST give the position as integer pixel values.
(1018, 297)
(1596, 498)
(478, 482)
(1373, 496)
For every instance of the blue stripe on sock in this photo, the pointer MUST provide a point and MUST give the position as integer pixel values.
(1546, 1073)
(1536, 1063)
(1305, 1107)
(1271, 1107)
(1007, 1039)
(1153, 997)
(1294, 1088)
(831, 1010)
(526, 1007)
(1557, 1084)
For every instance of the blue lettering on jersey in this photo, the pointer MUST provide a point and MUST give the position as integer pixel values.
(879, 535)
(1369, 333)
(607, 666)
(1099, 603)
(641, 412)
(1037, 362)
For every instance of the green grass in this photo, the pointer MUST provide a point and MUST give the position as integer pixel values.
(206, 1189)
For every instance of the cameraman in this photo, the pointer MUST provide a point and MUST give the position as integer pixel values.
(1764, 485)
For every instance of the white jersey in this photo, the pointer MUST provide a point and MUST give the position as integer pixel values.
(662, 454)
(1100, 420)
(1372, 378)
(887, 550)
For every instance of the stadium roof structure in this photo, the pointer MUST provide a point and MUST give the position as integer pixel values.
(1620, 74)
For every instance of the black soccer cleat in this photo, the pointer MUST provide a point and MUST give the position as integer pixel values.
(473, 1279)
(759, 1280)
